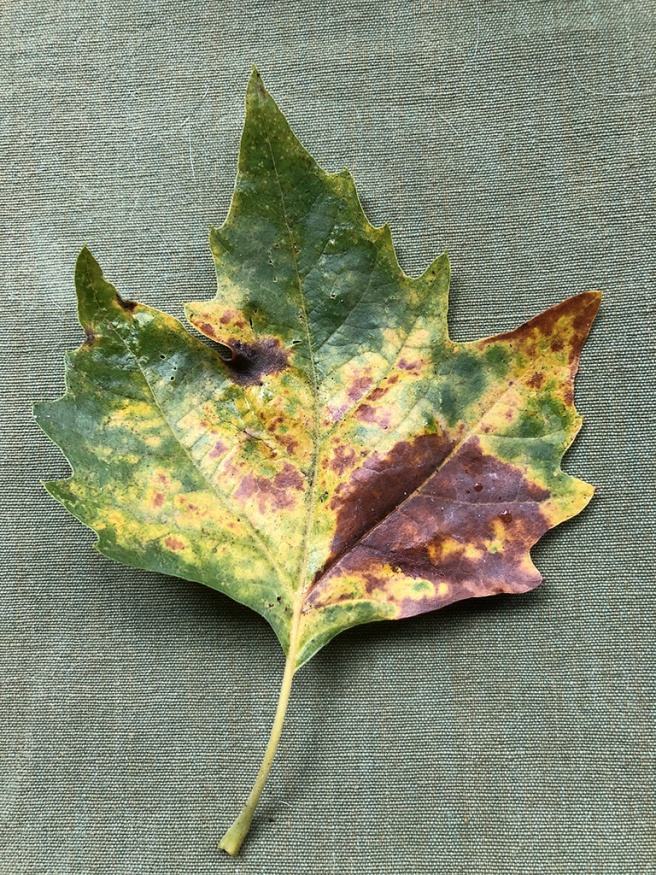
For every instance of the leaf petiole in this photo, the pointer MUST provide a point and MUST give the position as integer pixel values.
(233, 838)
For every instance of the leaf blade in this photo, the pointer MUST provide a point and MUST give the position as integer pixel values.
(177, 524)
(316, 459)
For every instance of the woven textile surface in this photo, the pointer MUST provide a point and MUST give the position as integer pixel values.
(510, 735)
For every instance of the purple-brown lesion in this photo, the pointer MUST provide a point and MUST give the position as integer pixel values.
(536, 380)
(174, 543)
(126, 305)
(363, 390)
(360, 385)
(464, 523)
(342, 459)
(219, 450)
(281, 491)
(380, 485)
(374, 415)
(410, 365)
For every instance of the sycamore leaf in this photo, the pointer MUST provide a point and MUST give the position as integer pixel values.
(332, 458)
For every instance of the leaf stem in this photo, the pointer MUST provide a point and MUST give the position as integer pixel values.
(233, 838)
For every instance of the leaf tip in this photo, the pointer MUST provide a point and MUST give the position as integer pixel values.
(85, 262)
(94, 294)
(442, 263)
(591, 299)
(256, 87)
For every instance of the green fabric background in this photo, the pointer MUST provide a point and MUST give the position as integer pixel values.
(514, 735)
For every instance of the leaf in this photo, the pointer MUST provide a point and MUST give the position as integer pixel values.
(331, 457)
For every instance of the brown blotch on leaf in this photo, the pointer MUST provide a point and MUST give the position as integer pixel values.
(288, 478)
(276, 493)
(289, 443)
(436, 519)
(206, 328)
(565, 324)
(174, 543)
(405, 365)
(249, 362)
(378, 393)
(374, 415)
(128, 306)
(380, 485)
(219, 449)
(359, 386)
(90, 337)
(343, 458)
(158, 500)
(536, 380)
(365, 413)
(232, 317)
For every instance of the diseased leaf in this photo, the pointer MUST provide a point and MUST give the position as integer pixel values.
(332, 458)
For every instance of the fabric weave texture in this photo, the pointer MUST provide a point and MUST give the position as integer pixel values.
(510, 735)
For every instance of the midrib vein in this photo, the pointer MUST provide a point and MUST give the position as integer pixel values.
(312, 485)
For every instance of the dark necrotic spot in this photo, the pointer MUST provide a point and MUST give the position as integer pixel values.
(247, 363)
(128, 306)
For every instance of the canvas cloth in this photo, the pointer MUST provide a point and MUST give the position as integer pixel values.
(512, 735)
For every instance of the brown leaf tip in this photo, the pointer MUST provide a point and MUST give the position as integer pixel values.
(579, 312)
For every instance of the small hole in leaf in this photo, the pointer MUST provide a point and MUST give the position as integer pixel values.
(162, 356)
